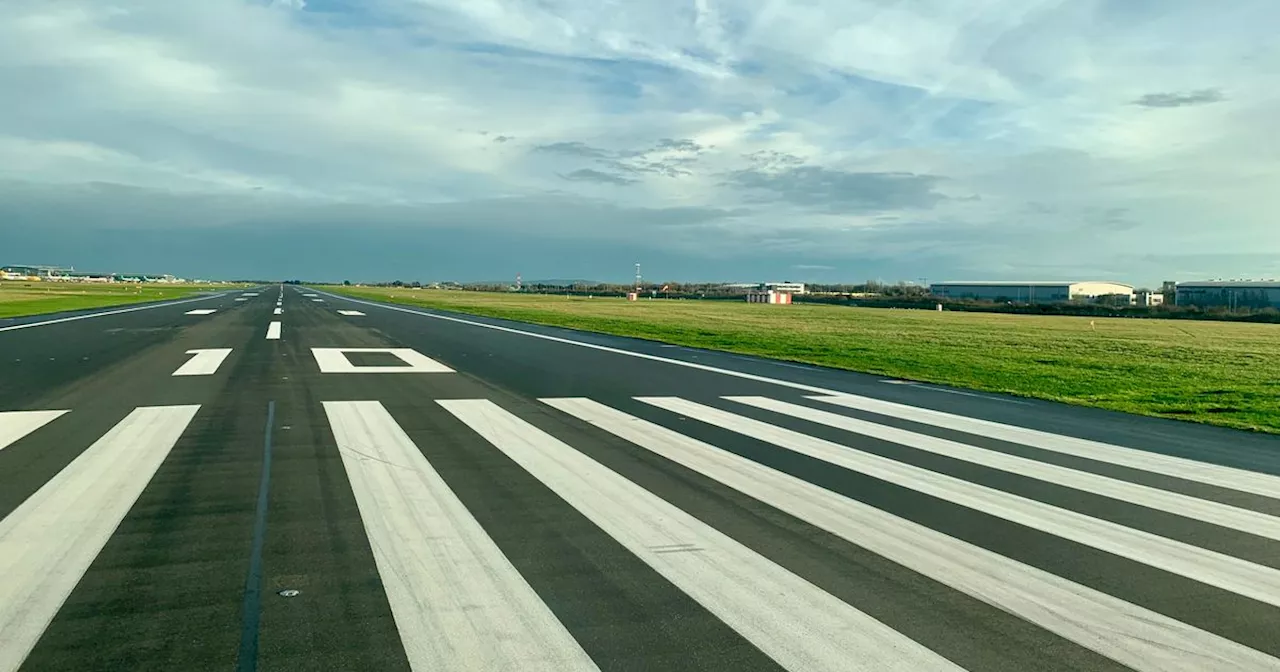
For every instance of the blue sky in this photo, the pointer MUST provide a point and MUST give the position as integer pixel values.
(824, 140)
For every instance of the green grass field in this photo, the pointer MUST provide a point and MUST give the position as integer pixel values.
(19, 298)
(1212, 372)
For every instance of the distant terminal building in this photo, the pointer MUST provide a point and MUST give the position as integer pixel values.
(28, 272)
(1231, 294)
(789, 287)
(1034, 292)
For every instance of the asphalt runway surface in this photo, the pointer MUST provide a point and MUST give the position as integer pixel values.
(284, 479)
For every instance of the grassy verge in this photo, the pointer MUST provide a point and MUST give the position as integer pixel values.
(1212, 372)
(19, 299)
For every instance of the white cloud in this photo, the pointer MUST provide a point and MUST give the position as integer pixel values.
(1020, 119)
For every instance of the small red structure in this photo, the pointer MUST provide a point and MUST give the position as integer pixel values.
(779, 298)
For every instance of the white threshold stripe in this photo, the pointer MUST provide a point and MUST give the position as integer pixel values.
(795, 623)
(273, 331)
(1127, 633)
(1231, 478)
(51, 539)
(204, 362)
(1198, 564)
(201, 311)
(458, 602)
(16, 424)
(1178, 504)
(90, 316)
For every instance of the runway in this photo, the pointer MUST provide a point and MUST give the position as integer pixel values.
(287, 479)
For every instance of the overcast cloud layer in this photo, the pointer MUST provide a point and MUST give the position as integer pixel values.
(826, 140)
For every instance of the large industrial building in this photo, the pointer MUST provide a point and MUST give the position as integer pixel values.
(1033, 292)
(1233, 294)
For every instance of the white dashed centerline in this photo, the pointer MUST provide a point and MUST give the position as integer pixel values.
(273, 331)
(277, 311)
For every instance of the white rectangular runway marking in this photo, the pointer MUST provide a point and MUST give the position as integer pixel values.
(273, 331)
(241, 298)
(1179, 504)
(201, 311)
(49, 541)
(351, 313)
(458, 602)
(1139, 638)
(317, 300)
(792, 621)
(204, 363)
(16, 424)
(332, 360)
(310, 296)
(277, 311)
(249, 294)
(1195, 563)
(1243, 480)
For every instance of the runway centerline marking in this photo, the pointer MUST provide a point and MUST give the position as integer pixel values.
(16, 424)
(273, 331)
(334, 360)
(204, 362)
(49, 541)
(201, 311)
(277, 311)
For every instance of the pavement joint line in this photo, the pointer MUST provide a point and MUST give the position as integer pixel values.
(109, 312)
(251, 615)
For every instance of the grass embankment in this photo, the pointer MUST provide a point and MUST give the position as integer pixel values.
(19, 298)
(1213, 372)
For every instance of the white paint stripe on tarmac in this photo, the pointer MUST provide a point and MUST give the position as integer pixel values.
(458, 602)
(241, 298)
(333, 360)
(1199, 564)
(351, 313)
(16, 424)
(201, 311)
(49, 541)
(795, 623)
(1179, 504)
(90, 316)
(277, 311)
(273, 331)
(317, 300)
(1129, 634)
(204, 362)
(1201, 472)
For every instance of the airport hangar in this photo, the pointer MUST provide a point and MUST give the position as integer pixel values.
(1031, 292)
(1230, 294)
